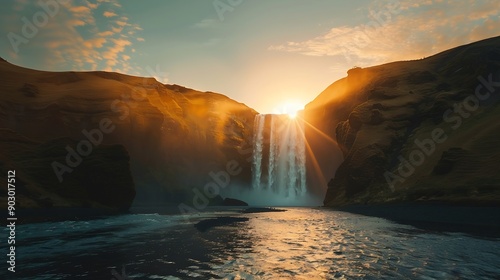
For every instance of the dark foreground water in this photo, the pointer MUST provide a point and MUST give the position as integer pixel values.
(301, 243)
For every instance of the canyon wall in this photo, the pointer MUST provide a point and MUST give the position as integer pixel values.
(422, 130)
(175, 136)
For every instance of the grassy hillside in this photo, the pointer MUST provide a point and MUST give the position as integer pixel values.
(416, 130)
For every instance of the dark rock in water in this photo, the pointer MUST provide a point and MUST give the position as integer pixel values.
(262, 210)
(234, 202)
(217, 201)
(220, 201)
(217, 222)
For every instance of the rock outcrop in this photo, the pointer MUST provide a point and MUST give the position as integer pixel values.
(175, 136)
(422, 130)
(103, 181)
(233, 202)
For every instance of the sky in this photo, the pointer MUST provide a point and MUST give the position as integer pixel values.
(268, 54)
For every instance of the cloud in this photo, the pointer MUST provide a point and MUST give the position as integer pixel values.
(95, 43)
(79, 9)
(92, 5)
(404, 30)
(105, 33)
(82, 15)
(20, 5)
(206, 23)
(121, 23)
(118, 47)
(109, 14)
(79, 37)
(77, 22)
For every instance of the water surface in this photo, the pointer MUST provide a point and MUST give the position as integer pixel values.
(301, 243)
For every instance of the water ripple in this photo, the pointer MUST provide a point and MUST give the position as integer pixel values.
(301, 243)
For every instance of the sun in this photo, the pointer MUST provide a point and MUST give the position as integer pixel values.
(289, 108)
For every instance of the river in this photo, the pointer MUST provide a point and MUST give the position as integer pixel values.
(300, 243)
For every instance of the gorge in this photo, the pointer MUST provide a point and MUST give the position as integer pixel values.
(342, 143)
(231, 139)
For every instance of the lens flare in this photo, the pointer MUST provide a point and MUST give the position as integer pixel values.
(289, 108)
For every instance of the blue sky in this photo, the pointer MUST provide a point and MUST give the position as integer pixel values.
(265, 53)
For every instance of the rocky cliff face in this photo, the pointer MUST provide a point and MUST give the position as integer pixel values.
(416, 130)
(175, 136)
(102, 181)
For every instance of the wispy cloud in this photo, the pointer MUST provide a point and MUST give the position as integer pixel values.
(404, 30)
(112, 52)
(80, 36)
(205, 23)
(109, 14)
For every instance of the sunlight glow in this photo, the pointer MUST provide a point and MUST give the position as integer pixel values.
(289, 108)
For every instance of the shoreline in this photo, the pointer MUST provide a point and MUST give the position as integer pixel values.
(48, 215)
(476, 220)
(61, 214)
(441, 217)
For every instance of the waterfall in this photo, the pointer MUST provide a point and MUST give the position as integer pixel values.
(279, 159)
(257, 148)
(272, 152)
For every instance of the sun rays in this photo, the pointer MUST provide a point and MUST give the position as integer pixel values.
(289, 108)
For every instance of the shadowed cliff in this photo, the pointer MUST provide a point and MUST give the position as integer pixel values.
(423, 130)
(175, 136)
(102, 181)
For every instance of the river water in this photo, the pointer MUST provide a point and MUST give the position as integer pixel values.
(301, 243)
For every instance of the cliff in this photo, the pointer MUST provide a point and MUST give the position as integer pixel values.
(422, 130)
(175, 136)
(102, 181)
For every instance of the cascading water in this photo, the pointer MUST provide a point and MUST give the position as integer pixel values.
(279, 159)
(257, 148)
